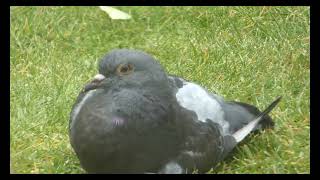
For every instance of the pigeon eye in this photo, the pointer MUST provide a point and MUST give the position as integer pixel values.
(124, 69)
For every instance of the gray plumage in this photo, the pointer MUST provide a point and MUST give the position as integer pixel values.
(135, 118)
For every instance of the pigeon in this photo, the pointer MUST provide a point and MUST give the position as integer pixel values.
(133, 117)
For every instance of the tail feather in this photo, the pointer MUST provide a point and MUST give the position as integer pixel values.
(270, 107)
(243, 132)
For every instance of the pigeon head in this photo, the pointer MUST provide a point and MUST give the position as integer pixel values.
(122, 62)
(124, 67)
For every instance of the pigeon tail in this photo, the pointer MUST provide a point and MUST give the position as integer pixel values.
(243, 132)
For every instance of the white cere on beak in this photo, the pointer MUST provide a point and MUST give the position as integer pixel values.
(99, 77)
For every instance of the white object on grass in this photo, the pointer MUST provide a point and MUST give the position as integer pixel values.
(115, 13)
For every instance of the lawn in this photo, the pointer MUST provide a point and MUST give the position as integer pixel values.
(249, 54)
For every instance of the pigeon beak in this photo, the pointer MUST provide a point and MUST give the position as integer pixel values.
(94, 84)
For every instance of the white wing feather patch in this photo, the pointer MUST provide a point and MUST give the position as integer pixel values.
(193, 97)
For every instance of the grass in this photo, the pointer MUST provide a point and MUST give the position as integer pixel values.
(249, 54)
